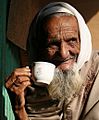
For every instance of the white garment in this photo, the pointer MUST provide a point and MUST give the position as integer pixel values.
(85, 36)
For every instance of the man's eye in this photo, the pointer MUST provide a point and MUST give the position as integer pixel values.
(52, 48)
(72, 41)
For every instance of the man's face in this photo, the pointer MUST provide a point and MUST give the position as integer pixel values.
(63, 43)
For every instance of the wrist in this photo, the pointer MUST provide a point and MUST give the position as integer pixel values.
(21, 114)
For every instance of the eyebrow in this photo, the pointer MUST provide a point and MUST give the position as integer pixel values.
(52, 41)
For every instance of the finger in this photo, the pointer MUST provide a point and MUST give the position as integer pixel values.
(18, 80)
(17, 72)
(19, 89)
(9, 81)
(21, 79)
(24, 69)
(22, 72)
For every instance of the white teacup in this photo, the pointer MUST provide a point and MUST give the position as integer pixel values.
(43, 72)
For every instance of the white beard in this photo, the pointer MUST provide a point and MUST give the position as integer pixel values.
(65, 85)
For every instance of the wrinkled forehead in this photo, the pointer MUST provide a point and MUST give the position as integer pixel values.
(62, 19)
(59, 14)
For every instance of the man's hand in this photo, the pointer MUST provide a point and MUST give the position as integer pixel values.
(17, 83)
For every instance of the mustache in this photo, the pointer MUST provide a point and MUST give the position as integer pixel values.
(61, 60)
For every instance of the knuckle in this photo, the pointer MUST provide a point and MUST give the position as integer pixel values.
(15, 72)
(25, 84)
(6, 85)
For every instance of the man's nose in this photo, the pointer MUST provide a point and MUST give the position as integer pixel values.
(64, 51)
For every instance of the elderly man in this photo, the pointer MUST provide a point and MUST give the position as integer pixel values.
(58, 35)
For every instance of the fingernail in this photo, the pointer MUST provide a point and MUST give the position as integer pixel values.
(27, 66)
(29, 74)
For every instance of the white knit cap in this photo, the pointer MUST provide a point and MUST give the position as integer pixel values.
(85, 36)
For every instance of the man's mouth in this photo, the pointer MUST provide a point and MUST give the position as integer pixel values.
(67, 59)
(67, 63)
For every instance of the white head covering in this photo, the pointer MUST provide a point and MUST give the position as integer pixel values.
(85, 36)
